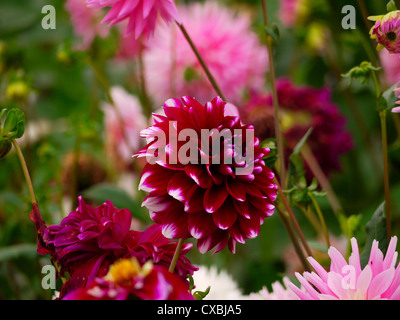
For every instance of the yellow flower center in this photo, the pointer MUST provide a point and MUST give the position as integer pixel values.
(123, 271)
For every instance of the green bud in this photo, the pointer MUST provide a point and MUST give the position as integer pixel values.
(12, 124)
(361, 72)
(5, 147)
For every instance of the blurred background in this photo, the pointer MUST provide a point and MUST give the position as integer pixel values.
(61, 84)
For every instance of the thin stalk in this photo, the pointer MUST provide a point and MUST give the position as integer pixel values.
(201, 61)
(278, 132)
(25, 170)
(322, 179)
(294, 239)
(145, 96)
(176, 255)
(321, 219)
(382, 116)
(293, 219)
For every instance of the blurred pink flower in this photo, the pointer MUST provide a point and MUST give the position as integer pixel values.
(391, 67)
(224, 39)
(288, 11)
(86, 22)
(379, 279)
(133, 121)
(142, 15)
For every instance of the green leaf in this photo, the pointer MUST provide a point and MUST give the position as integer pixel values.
(200, 295)
(17, 251)
(376, 230)
(391, 6)
(303, 140)
(272, 33)
(390, 97)
(120, 198)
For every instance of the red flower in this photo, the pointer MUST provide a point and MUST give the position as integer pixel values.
(89, 240)
(126, 279)
(211, 202)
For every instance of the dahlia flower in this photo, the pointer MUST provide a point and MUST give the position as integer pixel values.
(301, 109)
(220, 201)
(85, 22)
(391, 67)
(290, 10)
(89, 240)
(386, 31)
(379, 279)
(142, 15)
(121, 143)
(279, 292)
(227, 44)
(126, 279)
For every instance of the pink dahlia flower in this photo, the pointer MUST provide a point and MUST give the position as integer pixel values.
(89, 240)
(289, 11)
(379, 279)
(86, 22)
(203, 195)
(301, 109)
(227, 44)
(391, 67)
(126, 279)
(122, 144)
(386, 31)
(142, 14)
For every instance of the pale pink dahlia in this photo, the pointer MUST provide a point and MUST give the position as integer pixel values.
(386, 31)
(280, 291)
(142, 15)
(391, 67)
(379, 279)
(86, 22)
(203, 195)
(122, 142)
(227, 44)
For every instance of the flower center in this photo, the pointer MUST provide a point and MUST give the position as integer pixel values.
(123, 271)
(391, 36)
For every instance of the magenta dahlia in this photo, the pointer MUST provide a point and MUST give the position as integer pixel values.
(386, 31)
(89, 240)
(225, 40)
(142, 15)
(127, 279)
(378, 280)
(301, 109)
(221, 192)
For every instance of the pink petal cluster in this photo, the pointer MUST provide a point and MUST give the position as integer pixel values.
(227, 44)
(89, 240)
(386, 31)
(86, 22)
(142, 15)
(123, 141)
(154, 284)
(301, 109)
(379, 279)
(206, 201)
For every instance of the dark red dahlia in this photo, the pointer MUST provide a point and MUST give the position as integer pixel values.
(89, 240)
(205, 177)
(126, 279)
(301, 109)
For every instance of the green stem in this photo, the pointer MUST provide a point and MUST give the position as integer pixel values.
(321, 219)
(382, 116)
(176, 255)
(201, 61)
(25, 170)
(278, 132)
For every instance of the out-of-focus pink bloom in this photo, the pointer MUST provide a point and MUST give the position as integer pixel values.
(122, 142)
(200, 198)
(86, 22)
(397, 94)
(379, 279)
(301, 109)
(289, 11)
(126, 279)
(142, 15)
(391, 67)
(386, 31)
(227, 44)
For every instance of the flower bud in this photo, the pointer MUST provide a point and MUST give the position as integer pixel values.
(12, 124)
(5, 147)
(361, 72)
(386, 31)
